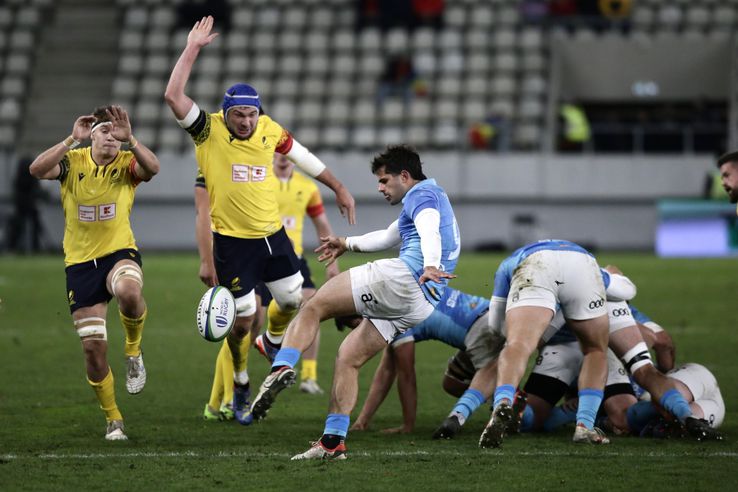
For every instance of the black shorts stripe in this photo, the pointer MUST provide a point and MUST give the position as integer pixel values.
(547, 388)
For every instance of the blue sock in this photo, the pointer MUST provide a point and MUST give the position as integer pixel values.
(526, 422)
(465, 406)
(639, 415)
(337, 424)
(504, 392)
(589, 403)
(286, 356)
(559, 416)
(675, 404)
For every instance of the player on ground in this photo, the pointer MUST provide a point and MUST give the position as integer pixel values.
(459, 320)
(97, 191)
(234, 149)
(530, 286)
(391, 294)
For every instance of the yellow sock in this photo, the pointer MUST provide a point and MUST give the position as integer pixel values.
(134, 329)
(105, 392)
(216, 392)
(309, 369)
(226, 370)
(240, 356)
(278, 320)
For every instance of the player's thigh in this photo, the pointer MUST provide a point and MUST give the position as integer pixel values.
(334, 298)
(591, 333)
(360, 345)
(526, 324)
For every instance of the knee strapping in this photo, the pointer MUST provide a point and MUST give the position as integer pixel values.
(287, 291)
(91, 328)
(637, 357)
(246, 305)
(128, 271)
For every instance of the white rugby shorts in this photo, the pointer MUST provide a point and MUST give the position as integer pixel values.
(563, 362)
(482, 345)
(619, 316)
(705, 390)
(386, 293)
(567, 278)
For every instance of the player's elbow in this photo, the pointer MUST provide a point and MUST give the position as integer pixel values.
(36, 170)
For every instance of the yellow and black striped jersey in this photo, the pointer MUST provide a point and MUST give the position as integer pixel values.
(97, 203)
(239, 176)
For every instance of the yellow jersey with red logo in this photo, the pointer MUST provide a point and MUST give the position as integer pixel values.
(97, 203)
(238, 174)
(297, 197)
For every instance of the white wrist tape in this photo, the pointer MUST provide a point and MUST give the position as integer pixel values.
(305, 160)
(190, 117)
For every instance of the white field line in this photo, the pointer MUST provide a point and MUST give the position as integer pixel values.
(363, 454)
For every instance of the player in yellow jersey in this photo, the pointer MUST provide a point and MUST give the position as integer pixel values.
(728, 166)
(97, 190)
(298, 196)
(234, 149)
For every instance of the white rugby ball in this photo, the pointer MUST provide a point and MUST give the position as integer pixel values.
(216, 314)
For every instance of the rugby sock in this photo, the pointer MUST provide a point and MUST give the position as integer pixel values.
(589, 404)
(639, 415)
(286, 356)
(336, 428)
(526, 421)
(240, 358)
(309, 369)
(675, 404)
(278, 321)
(216, 391)
(559, 416)
(105, 392)
(465, 406)
(134, 329)
(504, 392)
(226, 370)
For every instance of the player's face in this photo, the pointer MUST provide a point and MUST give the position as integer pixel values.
(242, 121)
(393, 186)
(104, 142)
(729, 175)
(282, 166)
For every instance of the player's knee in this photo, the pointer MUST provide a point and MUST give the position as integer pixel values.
(638, 362)
(245, 307)
(287, 292)
(126, 282)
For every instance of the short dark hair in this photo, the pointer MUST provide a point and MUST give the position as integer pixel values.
(727, 157)
(100, 113)
(398, 158)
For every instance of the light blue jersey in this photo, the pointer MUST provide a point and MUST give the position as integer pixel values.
(639, 316)
(427, 194)
(451, 320)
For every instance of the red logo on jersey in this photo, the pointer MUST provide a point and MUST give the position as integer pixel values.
(258, 173)
(106, 211)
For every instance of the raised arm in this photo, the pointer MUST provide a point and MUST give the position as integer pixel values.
(46, 165)
(174, 95)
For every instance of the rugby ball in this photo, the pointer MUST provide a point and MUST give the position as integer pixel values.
(216, 314)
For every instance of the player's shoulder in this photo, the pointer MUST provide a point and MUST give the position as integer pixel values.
(268, 125)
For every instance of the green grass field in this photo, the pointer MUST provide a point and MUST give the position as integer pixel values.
(51, 431)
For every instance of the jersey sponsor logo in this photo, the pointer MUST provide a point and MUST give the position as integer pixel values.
(240, 173)
(106, 211)
(453, 299)
(620, 312)
(86, 213)
(596, 304)
(258, 173)
(367, 298)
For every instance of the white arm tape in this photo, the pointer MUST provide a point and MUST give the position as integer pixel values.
(620, 288)
(496, 314)
(376, 240)
(428, 223)
(190, 117)
(304, 159)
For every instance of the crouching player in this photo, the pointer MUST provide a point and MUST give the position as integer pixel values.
(97, 190)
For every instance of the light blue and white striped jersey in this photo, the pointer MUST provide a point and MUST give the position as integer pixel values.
(427, 194)
(451, 320)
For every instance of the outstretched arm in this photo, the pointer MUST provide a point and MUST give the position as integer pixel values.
(204, 237)
(46, 165)
(323, 229)
(332, 246)
(175, 96)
